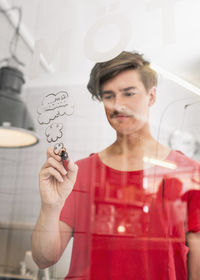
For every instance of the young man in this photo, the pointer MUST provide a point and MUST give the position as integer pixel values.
(130, 218)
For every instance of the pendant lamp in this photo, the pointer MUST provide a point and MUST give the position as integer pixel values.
(16, 125)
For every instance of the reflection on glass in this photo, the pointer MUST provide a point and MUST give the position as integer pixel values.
(141, 218)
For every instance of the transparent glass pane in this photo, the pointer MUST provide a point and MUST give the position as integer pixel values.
(132, 211)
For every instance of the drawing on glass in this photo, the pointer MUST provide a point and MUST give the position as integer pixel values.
(54, 106)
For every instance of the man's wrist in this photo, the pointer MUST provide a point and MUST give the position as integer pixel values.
(51, 211)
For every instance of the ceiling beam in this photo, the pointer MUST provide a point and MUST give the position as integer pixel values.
(23, 31)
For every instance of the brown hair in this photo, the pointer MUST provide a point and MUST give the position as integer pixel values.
(104, 71)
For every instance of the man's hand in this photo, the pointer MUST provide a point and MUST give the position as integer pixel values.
(55, 182)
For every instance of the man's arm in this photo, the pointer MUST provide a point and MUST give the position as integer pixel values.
(49, 239)
(193, 240)
(50, 236)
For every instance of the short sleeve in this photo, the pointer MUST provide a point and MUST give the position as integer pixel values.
(194, 211)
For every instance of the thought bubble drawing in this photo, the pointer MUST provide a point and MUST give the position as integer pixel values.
(55, 105)
(54, 132)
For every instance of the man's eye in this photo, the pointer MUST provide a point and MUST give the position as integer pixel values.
(107, 96)
(129, 93)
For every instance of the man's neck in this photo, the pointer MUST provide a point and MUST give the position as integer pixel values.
(128, 151)
(132, 144)
(139, 143)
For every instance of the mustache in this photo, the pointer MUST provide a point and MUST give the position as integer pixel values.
(128, 113)
(116, 113)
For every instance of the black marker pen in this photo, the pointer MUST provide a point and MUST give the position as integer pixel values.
(65, 158)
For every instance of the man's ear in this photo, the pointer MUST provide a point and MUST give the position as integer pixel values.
(152, 96)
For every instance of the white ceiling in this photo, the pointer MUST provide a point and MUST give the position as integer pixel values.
(77, 33)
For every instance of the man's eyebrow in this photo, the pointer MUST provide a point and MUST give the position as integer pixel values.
(107, 92)
(122, 90)
(128, 88)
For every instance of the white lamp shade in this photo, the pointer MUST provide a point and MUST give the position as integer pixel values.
(14, 137)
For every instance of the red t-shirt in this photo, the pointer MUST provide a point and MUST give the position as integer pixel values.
(132, 224)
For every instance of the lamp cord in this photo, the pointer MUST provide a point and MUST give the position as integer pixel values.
(15, 38)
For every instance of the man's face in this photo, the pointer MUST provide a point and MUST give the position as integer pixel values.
(127, 102)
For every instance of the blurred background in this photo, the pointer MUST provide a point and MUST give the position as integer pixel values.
(50, 46)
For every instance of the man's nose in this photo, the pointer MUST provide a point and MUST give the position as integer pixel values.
(118, 103)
